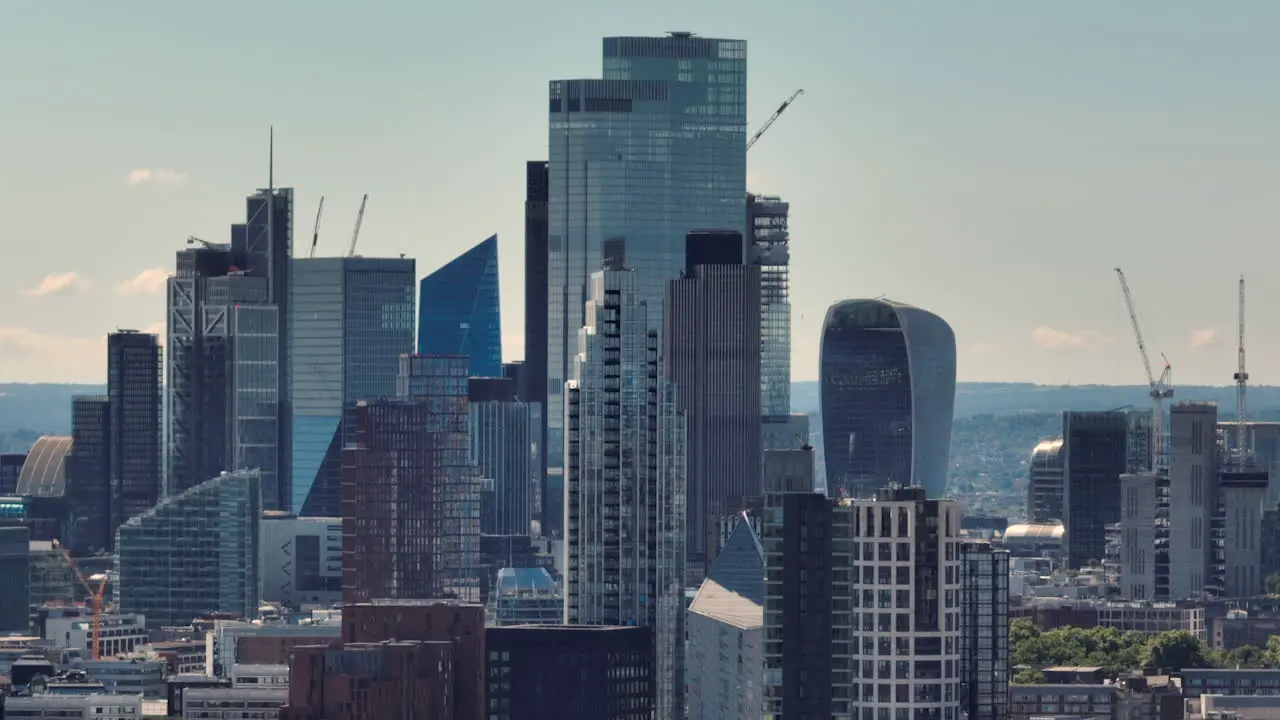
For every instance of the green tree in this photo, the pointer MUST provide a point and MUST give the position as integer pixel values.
(1028, 676)
(1246, 656)
(1175, 651)
(1273, 584)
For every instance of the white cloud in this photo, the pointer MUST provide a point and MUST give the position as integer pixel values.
(56, 283)
(157, 176)
(31, 356)
(1047, 338)
(758, 183)
(1203, 338)
(147, 282)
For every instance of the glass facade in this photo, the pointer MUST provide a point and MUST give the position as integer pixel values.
(1097, 453)
(89, 492)
(984, 636)
(134, 369)
(460, 313)
(352, 320)
(654, 150)
(887, 390)
(506, 448)
(625, 481)
(771, 240)
(194, 553)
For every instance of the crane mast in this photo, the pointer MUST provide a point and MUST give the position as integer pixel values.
(315, 234)
(1242, 386)
(1161, 387)
(351, 251)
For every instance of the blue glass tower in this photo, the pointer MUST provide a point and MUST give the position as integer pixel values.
(459, 312)
(352, 320)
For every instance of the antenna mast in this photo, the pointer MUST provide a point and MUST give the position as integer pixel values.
(1242, 386)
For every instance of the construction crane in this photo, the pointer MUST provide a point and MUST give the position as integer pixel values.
(192, 240)
(315, 234)
(774, 117)
(351, 251)
(1242, 386)
(1161, 388)
(95, 596)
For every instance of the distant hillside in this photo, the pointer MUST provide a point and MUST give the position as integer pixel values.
(46, 408)
(1009, 398)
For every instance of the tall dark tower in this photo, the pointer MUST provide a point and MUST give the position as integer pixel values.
(134, 369)
(888, 390)
(263, 247)
(533, 378)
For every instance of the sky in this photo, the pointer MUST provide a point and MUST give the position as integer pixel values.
(992, 162)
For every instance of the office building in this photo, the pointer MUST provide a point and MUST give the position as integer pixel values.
(15, 567)
(827, 563)
(225, 397)
(459, 311)
(887, 390)
(301, 560)
(235, 703)
(524, 596)
(1144, 527)
(44, 474)
(1264, 443)
(194, 553)
(663, 135)
(726, 633)
(770, 238)
(10, 468)
(458, 625)
(89, 702)
(1095, 446)
(411, 497)
(570, 673)
(984, 631)
(1044, 486)
(505, 437)
(1193, 494)
(135, 367)
(1242, 492)
(711, 336)
(624, 481)
(352, 319)
(403, 679)
(533, 379)
(88, 470)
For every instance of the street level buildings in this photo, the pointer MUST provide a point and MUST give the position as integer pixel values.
(887, 389)
(624, 461)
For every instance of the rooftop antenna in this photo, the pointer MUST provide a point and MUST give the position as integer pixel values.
(1242, 383)
(271, 162)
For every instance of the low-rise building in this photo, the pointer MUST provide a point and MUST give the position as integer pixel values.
(234, 703)
(259, 676)
(117, 632)
(1154, 617)
(1230, 681)
(98, 706)
(128, 676)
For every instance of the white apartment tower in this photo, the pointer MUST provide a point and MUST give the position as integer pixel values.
(624, 458)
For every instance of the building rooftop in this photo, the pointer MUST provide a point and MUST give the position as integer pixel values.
(733, 592)
(44, 474)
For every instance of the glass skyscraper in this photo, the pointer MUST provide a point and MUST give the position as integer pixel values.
(135, 367)
(459, 313)
(352, 320)
(888, 388)
(194, 553)
(638, 159)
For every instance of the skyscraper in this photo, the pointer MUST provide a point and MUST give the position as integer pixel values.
(410, 495)
(459, 311)
(224, 392)
(663, 137)
(88, 471)
(353, 317)
(194, 553)
(1096, 455)
(1044, 486)
(624, 481)
(712, 353)
(887, 389)
(134, 370)
(533, 377)
(771, 250)
(506, 450)
(984, 631)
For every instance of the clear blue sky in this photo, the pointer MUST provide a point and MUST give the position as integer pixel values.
(991, 162)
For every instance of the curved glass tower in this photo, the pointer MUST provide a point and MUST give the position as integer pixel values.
(888, 389)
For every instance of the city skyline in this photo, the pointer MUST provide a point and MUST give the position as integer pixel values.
(1088, 140)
